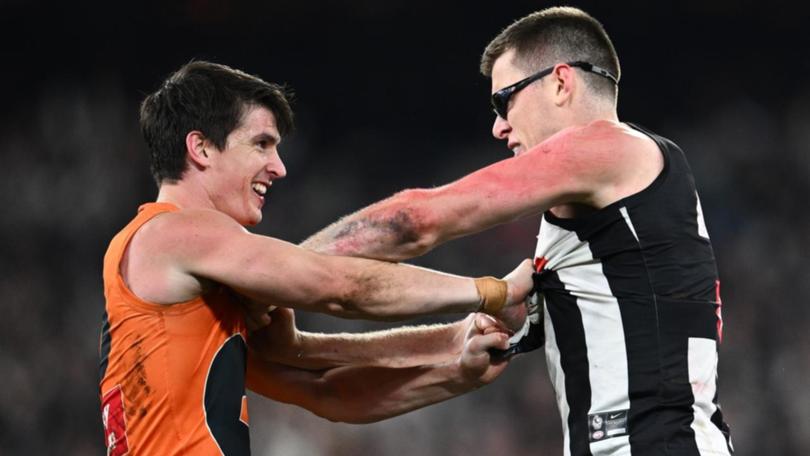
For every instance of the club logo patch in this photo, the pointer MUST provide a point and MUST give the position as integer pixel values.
(114, 421)
(607, 424)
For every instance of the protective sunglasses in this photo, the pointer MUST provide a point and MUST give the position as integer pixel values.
(500, 99)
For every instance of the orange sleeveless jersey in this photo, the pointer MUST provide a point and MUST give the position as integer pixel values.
(172, 376)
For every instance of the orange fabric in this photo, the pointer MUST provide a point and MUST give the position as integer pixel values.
(160, 360)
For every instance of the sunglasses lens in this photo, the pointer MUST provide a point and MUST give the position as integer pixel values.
(499, 104)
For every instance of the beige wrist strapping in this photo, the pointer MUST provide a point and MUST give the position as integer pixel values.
(492, 293)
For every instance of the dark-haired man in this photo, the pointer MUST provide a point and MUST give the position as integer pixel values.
(631, 311)
(174, 357)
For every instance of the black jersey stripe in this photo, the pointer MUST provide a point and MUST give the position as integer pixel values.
(222, 397)
(717, 420)
(104, 346)
(567, 321)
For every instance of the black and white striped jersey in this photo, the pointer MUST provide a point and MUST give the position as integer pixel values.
(632, 321)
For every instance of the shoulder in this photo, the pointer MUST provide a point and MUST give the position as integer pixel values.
(183, 223)
(606, 160)
(162, 254)
(185, 231)
(600, 137)
(606, 144)
(629, 159)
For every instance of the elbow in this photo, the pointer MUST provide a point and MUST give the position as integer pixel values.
(352, 291)
(356, 307)
(415, 226)
(333, 288)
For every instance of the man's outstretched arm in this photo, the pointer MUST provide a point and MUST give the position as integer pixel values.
(205, 244)
(573, 166)
(282, 342)
(358, 393)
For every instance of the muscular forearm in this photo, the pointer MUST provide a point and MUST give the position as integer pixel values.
(365, 394)
(361, 288)
(400, 347)
(359, 394)
(384, 291)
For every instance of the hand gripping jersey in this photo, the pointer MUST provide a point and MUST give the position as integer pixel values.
(632, 322)
(172, 376)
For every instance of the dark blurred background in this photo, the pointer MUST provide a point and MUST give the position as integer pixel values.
(388, 97)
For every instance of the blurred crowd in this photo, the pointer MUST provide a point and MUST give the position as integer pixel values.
(74, 171)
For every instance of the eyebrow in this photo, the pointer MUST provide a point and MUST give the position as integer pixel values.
(266, 137)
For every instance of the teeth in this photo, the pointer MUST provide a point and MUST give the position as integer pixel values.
(259, 188)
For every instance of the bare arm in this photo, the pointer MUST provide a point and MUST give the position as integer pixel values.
(359, 393)
(580, 165)
(281, 342)
(208, 245)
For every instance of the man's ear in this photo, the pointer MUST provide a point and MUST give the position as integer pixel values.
(198, 149)
(565, 82)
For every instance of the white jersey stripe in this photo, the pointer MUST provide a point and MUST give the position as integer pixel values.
(627, 220)
(702, 360)
(702, 231)
(603, 329)
(604, 339)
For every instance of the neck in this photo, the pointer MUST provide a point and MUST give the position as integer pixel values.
(581, 118)
(186, 193)
(594, 112)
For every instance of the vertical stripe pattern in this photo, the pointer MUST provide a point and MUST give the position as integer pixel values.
(566, 319)
(631, 322)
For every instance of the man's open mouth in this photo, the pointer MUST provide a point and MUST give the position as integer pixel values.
(259, 188)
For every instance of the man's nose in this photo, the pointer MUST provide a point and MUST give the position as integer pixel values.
(276, 167)
(500, 128)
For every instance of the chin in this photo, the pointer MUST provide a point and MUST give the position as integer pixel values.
(250, 218)
(257, 217)
(253, 221)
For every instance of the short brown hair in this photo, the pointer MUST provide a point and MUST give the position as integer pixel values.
(555, 35)
(208, 97)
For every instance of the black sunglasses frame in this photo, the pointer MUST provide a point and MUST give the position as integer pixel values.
(500, 99)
